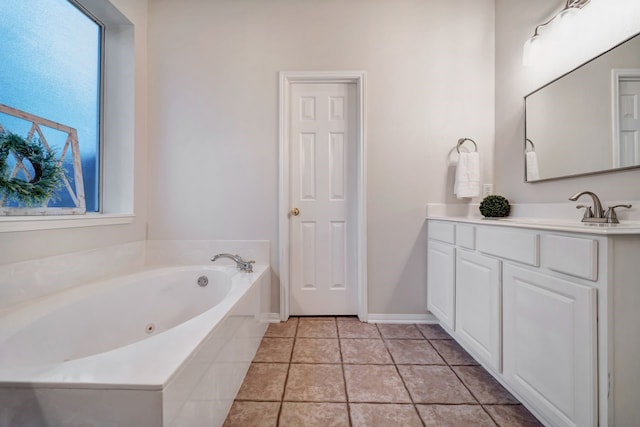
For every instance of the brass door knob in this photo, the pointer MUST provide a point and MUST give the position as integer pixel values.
(295, 212)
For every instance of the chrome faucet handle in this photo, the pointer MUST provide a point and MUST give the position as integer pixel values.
(588, 213)
(611, 216)
(246, 266)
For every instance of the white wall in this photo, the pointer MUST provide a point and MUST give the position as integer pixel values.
(515, 22)
(213, 153)
(20, 246)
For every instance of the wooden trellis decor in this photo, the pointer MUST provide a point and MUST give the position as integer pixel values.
(75, 190)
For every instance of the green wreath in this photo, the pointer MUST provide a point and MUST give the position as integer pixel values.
(47, 172)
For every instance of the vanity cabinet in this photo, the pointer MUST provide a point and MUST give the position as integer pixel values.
(550, 345)
(440, 296)
(478, 300)
(551, 314)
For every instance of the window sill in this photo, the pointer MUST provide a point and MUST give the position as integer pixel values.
(30, 223)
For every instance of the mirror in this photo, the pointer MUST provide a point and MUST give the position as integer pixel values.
(586, 121)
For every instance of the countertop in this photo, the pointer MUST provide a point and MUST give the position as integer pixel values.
(551, 224)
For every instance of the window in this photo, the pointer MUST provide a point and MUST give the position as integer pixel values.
(51, 69)
(118, 127)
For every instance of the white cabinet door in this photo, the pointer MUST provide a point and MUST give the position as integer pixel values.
(550, 345)
(440, 282)
(479, 306)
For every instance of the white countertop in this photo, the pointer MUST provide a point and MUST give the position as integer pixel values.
(553, 224)
(541, 216)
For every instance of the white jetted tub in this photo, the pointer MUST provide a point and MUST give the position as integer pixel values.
(155, 348)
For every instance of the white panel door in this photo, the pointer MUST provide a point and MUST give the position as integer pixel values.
(441, 282)
(323, 186)
(629, 108)
(549, 345)
(479, 306)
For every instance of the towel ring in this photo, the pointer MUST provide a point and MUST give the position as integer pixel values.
(462, 140)
(533, 147)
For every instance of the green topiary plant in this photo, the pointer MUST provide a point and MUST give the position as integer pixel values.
(495, 206)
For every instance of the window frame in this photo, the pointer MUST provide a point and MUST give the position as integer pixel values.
(117, 127)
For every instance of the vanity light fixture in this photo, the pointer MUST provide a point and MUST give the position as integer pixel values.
(532, 45)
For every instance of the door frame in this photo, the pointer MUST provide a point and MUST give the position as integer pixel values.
(288, 78)
(619, 75)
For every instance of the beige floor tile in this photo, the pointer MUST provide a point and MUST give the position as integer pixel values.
(433, 332)
(264, 382)
(483, 386)
(357, 329)
(253, 414)
(375, 384)
(311, 414)
(383, 415)
(399, 331)
(320, 328)
(434, 384)
(453, 353)
(413, 352)
(365, 351)
(512, 416)
(315, 383)
(315, 391)
(283, 329)
(316, 350)
(454, 416)
(275, 350)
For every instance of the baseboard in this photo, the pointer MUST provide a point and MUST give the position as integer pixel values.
(401, 318)
(373, 318)
(270, 317)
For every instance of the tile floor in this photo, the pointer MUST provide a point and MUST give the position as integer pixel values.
(328, 371)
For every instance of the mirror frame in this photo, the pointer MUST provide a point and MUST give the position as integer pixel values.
(524, 102)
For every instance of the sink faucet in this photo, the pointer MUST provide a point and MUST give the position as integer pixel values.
(597, 215)
(240, 263)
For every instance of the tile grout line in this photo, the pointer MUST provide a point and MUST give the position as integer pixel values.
(450, 366)
(463, 383)
(286, 378)
(395, 365)
(344, 376)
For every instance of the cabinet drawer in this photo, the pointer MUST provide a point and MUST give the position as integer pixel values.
(443, 231)
(576, 256)
(516, 245)
(466, 236)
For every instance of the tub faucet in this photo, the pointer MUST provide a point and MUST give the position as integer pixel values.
(240, 263)
(595, 215)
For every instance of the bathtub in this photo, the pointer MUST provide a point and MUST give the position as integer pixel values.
(154, 348)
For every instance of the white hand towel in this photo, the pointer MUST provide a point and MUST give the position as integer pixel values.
(533, 172)
(467, 182)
